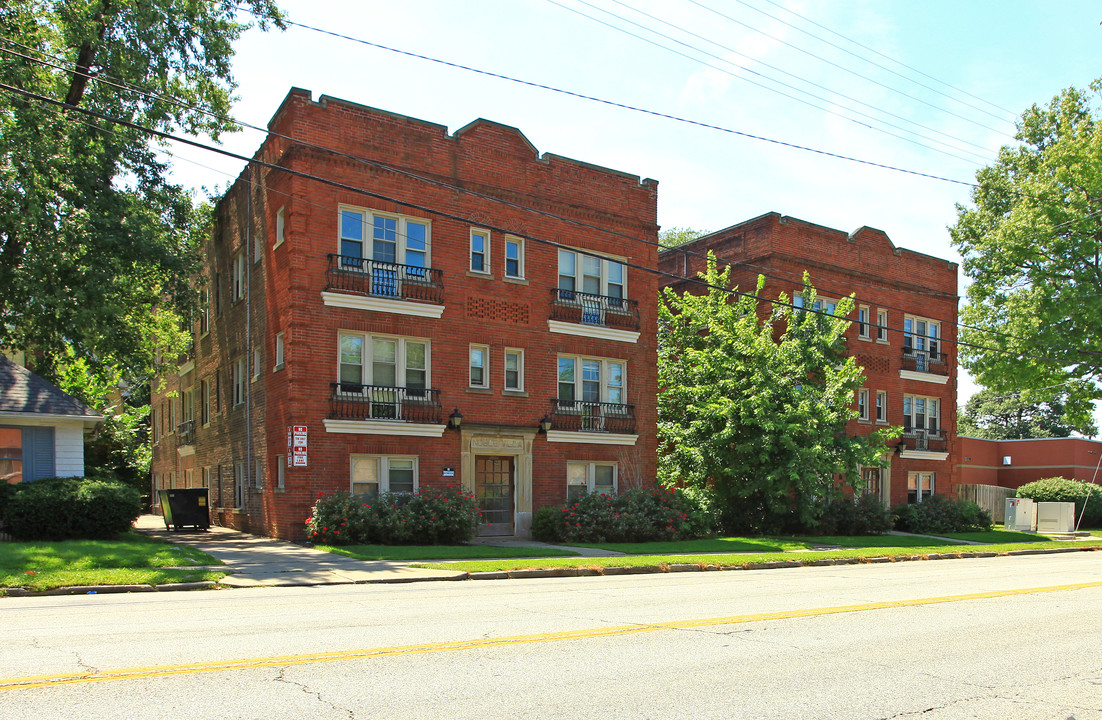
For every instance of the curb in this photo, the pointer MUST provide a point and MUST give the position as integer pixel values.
(110, 589)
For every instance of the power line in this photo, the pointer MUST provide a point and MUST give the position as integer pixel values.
(439, 213)
(764, 87)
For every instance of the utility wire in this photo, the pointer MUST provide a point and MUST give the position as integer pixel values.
(65, 107)
(779, 92)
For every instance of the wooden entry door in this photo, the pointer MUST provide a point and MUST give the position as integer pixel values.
(493, 488)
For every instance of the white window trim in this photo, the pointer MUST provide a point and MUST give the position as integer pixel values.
(240, 265)
(917, 477)
(239, 382)
(280, 351)
(485, 349)
(605, 374)
(257, 366)
(520, 370)
(863, 405)
(383, 469)
(281, 472)
(399, 356)
(591, 474)
(520, 258)
(910, 419)
(578, 274)
(864, 327)
(281, 226)
(486, 266)
(882, 395)
(820, 300)
(912, 335)
(240, 482)
(258, 474)
(369, 216)
(882, 326)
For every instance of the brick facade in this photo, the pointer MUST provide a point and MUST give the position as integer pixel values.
(1013, 463)
(334, 302)
(885, 279)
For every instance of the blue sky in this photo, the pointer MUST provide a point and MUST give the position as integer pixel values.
(955, 72)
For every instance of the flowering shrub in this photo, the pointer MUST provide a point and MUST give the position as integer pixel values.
(638, 515)
(430, 517)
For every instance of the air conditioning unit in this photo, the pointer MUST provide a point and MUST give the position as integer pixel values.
(1055, 517)
(1006, 459)
(1021, 515)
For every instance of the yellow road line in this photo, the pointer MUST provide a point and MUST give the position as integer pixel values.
(26, 683)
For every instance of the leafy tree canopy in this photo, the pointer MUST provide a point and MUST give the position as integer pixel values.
(679, 236)
(753, 406)
(1032, 246)
(1011, 417)
(93, 237)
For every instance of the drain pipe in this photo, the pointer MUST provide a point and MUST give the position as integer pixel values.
(250, 359)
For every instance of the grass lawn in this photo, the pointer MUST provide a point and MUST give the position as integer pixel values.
(406, 553)
(733, 560)
(714, 545)
(865, 541)
(132, 559)
(998, 536)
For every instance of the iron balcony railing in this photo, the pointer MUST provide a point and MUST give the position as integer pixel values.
(927, 361)
(185, 433)
(932, 440)
(352, 401)
(592, 416)
(347, 273)
(589, 309)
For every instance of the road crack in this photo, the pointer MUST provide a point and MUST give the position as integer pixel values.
(315, 693)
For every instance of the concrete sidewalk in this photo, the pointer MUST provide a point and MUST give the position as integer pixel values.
(256, 561)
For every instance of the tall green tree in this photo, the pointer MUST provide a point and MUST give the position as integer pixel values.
(1032, 246)
(96, 244)
(988, 414)
(753, 404)
(672, 237)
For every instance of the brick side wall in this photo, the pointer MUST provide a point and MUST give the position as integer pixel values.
(1073, 458)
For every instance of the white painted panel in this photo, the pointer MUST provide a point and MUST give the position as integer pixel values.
(69, 449)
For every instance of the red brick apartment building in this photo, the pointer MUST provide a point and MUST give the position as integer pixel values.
(448, 309)
(903, 332)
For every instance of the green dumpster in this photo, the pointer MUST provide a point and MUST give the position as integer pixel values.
(186, 507)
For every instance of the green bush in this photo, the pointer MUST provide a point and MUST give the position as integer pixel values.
(429, 517)
(865, 515)
(938, 514)
(638, 515)
(1058, 489)
(71, 509)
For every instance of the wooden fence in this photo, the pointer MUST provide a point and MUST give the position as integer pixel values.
(991, 498)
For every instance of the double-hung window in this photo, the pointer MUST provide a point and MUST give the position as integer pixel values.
(920, 339)
(204, 311)
(920, 485)
(863, 404)
(240, 263)
(204, 399)
(882, 326)
(239, 374)
(821, 304)
(514, 257)
(480, 251)
(373, 474)
(279, 350)
(480, 366)
(393, 248)
(863, 325)
(920, 415)
(514, 369)
(591, 275)
(388, 372)
(281, 226)
(591, 380)
(583, 478)
(881, 406)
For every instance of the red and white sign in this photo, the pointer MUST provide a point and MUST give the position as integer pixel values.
(297, 438)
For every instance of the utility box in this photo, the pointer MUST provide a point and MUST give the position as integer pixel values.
(186, 506)
(1021, 515)
(1055, 517)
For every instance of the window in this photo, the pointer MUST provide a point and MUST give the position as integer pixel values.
(821, 304)
(258, 473)
(154, 428)
(514, 369)
(238, 383)
(217, 293)
(882, 326)
(591, 380)
(172, 416)
(281, 225)
(863, 404)
(384, 238)
(393, 362)
(589, 274)
(871, 481)
(881, 406)
(258, 246)
(863, 323)
(372, 475)
(281, 472)
(920, 485)
(204, 311)
(920, 339)
(256, 364)
(583, 478)
(480, 251)
(239, 265)
(514, 257)
(187, 399)
(480, 371)
(240, 478)
(278, 351)
(920, 414)
(11, 455)
(206, 477)
(189, 478)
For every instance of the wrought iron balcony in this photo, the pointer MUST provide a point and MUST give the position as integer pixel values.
(932, 440)
(589, 309)
(185, 433)
(927, 361)
(592, 416)
(352, 401)
(347, 273)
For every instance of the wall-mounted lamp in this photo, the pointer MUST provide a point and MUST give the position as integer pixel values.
(455, 419)
(901, 446)
(545, 423)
